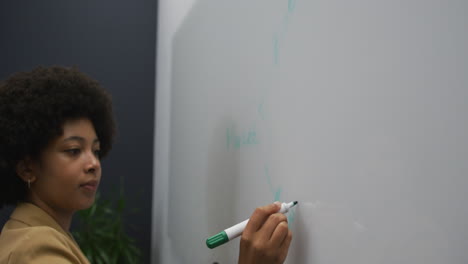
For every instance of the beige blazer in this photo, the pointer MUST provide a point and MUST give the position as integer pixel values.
(32, 236)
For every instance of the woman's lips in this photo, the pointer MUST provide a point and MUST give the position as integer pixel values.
(91, 185)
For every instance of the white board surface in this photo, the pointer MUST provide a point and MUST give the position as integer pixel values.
(357, 109)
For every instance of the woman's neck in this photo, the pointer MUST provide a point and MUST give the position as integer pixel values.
(62, 217)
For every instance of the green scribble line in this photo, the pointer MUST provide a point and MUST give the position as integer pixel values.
(282, 30)
(260, 110)
(291, 216)
(267, 174)
(291, 5)
(278, 194)
(275, 49)
(244, 139)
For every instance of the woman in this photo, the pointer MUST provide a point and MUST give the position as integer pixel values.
(55, 125)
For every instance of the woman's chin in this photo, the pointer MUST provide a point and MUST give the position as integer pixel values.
(86, 204)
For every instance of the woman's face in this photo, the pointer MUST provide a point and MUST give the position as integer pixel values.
(68, 171)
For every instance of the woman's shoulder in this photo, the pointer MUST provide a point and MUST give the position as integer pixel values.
(37, 244)
(24, 234)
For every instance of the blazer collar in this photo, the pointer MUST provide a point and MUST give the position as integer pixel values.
(32, 215)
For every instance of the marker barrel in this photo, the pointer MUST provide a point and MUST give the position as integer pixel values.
(236, 230)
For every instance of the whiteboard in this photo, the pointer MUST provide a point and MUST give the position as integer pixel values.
(357, 109)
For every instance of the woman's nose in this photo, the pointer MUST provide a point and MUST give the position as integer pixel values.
(92, 163)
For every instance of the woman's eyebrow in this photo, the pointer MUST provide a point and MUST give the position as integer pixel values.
(80, 139)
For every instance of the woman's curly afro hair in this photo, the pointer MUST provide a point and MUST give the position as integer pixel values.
(33, 108)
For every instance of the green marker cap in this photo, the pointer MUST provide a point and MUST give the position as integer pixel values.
(217, 240)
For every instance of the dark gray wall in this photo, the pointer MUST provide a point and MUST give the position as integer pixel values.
(114, 42)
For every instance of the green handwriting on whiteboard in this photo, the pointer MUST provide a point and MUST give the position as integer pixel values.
(280, 36)
(277, 195)
(291, 5)
(276, 191)
(237, 140)
(275, 48)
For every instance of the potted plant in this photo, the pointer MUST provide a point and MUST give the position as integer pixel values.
(101, 234)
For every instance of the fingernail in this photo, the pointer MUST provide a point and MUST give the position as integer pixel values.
(277, 203)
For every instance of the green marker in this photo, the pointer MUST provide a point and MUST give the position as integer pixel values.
(236, 230)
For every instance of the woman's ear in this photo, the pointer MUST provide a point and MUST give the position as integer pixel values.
(24, 170)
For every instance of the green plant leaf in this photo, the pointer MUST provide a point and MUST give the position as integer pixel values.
(101, 233)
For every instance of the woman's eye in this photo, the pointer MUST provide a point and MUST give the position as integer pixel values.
(97, 152)
(74, 151)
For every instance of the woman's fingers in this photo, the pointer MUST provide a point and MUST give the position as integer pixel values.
(280, 234)
(258, 218)
(269, 227)
(266, 238)
(284, 248)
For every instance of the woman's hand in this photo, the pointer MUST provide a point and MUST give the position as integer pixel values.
(266, 238)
